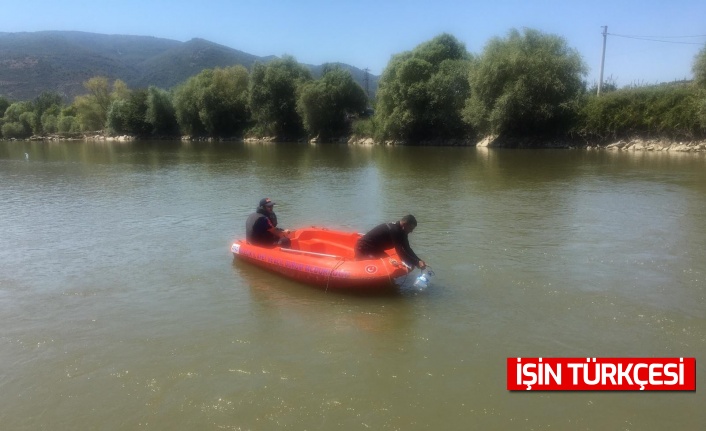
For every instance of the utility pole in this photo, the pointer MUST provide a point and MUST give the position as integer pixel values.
(600, 82)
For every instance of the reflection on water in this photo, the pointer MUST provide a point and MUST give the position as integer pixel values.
(117, 287)
(354, 311)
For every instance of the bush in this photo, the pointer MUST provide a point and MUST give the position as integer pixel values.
(366, 127)
(660, 111)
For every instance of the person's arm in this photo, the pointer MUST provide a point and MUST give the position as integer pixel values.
(279, 233)
(276, 231)
(406, 252)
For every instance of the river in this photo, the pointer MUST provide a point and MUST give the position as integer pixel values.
(121, 307)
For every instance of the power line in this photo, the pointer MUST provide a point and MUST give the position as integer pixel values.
(663, 37)
(644, 38)
(650, 39)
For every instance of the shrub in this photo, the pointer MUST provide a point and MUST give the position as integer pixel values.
(659, 111)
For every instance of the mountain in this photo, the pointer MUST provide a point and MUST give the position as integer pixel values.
(62, 61)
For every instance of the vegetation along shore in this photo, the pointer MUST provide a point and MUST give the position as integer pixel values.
(526, 89)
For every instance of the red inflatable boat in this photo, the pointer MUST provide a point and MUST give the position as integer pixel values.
(324, 257)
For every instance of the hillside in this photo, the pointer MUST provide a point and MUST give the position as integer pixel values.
(62, 60)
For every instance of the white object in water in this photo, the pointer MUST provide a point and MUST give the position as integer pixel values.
(26, 156)
(422, 282)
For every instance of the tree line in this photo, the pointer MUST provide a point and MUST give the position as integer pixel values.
(278, 99)
(527, 83)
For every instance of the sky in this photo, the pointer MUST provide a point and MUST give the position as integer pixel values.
(366, 34)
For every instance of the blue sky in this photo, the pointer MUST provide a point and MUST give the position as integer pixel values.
(367, 33)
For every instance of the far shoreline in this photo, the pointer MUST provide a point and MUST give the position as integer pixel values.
(635, 144)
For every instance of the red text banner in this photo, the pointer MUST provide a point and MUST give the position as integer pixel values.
(601, 374)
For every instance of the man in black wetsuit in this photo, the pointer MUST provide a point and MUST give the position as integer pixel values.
(261, 227)
(385, 236)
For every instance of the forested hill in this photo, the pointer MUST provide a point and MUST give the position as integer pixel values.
(62, 61)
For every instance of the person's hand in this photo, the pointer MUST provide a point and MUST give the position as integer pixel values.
(422, 265)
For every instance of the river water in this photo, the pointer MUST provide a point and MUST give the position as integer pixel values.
(121, 307)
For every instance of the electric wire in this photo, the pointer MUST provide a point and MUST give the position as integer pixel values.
(654, 39)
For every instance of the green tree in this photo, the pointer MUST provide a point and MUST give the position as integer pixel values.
(120, 91)
(116, 123)
(224, 104)
(46, 107)
(214, 102)
(14, 130)
(326, 104)
(31, 122)
(160, 112)
(92, 108)
(68, 124)
(421, 93)
(127, 115)
(186, 107)
(99, 88)
(273, 97)
(18, 120)
(47, 100)
(89, 113)
(13, 112)
(50, 120)
(527, 83)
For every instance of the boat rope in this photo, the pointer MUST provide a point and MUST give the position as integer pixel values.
(394, 262)
(328, 279)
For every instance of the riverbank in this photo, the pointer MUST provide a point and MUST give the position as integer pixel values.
(98, 136)
(634, 144)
